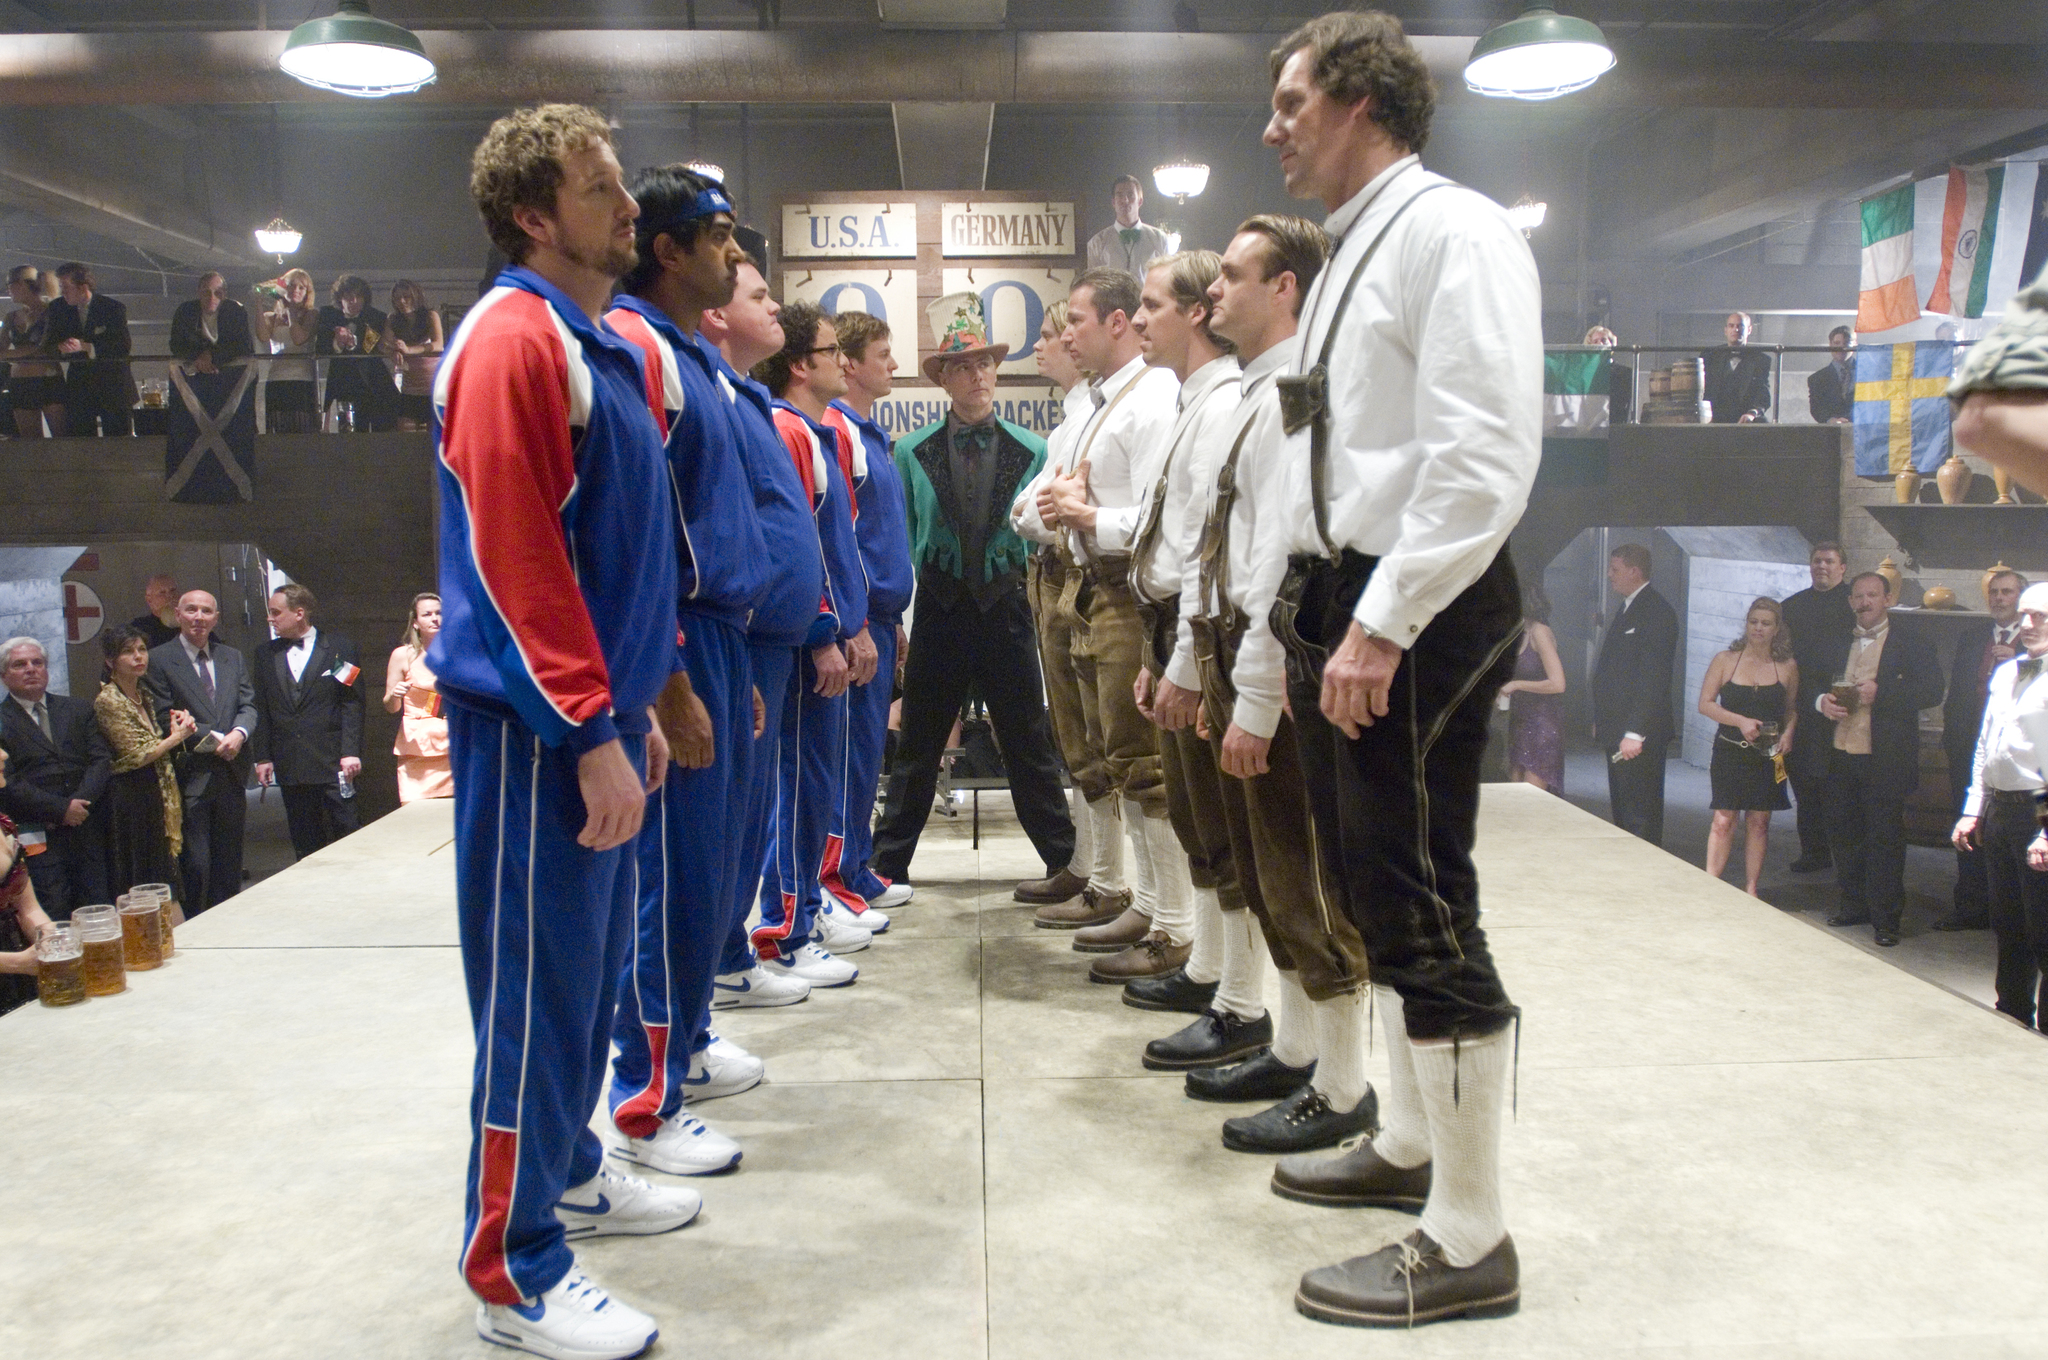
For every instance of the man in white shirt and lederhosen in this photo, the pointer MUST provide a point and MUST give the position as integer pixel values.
(1415, 411)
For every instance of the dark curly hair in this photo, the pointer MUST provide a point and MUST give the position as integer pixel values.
(800, 321)
(1361, 54)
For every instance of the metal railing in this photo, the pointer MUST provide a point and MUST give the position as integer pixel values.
(1638, 377)
(155, 367)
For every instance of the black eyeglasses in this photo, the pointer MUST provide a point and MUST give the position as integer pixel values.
(823, 349)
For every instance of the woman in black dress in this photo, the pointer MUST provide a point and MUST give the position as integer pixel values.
(145, 824)
(1752, 690)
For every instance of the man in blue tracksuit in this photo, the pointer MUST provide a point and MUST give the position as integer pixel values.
(688, 873)
(884, 536)
(805, 376)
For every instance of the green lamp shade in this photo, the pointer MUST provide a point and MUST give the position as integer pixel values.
(353, 52)
(1538, 54)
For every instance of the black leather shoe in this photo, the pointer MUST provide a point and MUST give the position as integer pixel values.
(1885, 938)
(1410, 1283)
(1259, 1077)
(1301, 1123)
(1956, 921)
(1173, 991)
(1358, 1177)
(1215, 1039)
(1812, 864)
(1848, 918)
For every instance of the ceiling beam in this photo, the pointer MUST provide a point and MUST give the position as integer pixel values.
(943, 146)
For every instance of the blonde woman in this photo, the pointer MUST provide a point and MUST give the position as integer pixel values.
(422, 746)
(284, 330)
(35, 386)
(1752, 690)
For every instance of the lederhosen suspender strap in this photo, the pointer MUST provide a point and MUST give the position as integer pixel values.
(1305, 397)
(1100, 419)
(1147, 540)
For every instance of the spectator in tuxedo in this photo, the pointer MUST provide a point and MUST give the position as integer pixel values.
(89, 331)
(309, 722)
(60, 766)
(1632, 694)
(209, 680)
(1821, 625)
(1621, 379)
(1831, 390)
(1738, 377)
(1980, 649)
(160, 624)
(211, 332)
(1888, 676)
(354, 335)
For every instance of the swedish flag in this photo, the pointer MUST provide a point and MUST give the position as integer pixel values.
(1902, 411)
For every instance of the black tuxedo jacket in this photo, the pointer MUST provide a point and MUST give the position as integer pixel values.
(43, 776)
(1908, 680)
(306, 726)
(1962, 712)
(1632, 681)
(1745, 387)
(104, 326)
(173, 682)
(1828, 397)
(188, 341)
(1822, 628)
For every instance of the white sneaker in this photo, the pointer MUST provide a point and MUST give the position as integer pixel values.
(714, 1074)
(720, 1047)
(611, 1204)
(814, 966)
(837, 933)
(576, 1320)
(757, 987)
(683, 1146)
(895, 895)
(868, 919)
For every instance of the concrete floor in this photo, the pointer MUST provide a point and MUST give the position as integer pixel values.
(1735, 1138)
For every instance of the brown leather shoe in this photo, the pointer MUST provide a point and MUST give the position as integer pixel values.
(1358, 1176)
(1149, 957)
(1089, 909)
(1410, 1283)
(1063, 886)
(1120, 934)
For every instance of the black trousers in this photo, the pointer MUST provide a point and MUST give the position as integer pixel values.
(1635, 792)
(72, 873)
(212, 859)
(1396, 810)
(318, 816)
(1808, 775)
(2018, 905)
(90, 396)
(1973, 889)
(995, 652)
(1867, 827)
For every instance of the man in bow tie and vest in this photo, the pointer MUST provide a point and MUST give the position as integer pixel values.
(1980, 649)
(1127, 244)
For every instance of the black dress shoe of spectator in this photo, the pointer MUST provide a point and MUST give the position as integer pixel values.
(1410, 1283)
(1848, 918)
(1213, 1040)
(1356, 1177)
(1955, 921)
(1812, 864)
(1173, 991)
(1301, 1123)
(1259, 1077)
(1886, 938)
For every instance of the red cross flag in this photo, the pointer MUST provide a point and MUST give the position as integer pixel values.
(83, 614)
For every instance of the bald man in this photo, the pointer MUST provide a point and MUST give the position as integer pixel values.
(158, 623)
(209, 680)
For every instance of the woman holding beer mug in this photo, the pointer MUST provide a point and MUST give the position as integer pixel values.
(145, 825)
(21, 916)
(1752, 690)
(422, 746)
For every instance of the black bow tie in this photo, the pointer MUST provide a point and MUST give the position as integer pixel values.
(2030, 667)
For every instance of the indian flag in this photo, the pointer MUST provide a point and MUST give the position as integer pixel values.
(1575, 388)
(1889, 297)
(1969, 228)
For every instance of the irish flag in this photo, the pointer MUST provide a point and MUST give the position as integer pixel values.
(345, 672)
(1969, 227)
(1889, 297)
(1575, 388)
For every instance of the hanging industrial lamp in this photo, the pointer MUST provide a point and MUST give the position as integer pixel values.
(1525, 215)
(707, 169)
(353, 52)
(278, 237)
(1538, 54)
(1181, 179)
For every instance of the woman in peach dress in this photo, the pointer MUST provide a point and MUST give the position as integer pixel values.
(422, 746)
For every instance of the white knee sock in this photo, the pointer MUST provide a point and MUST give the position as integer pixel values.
(1084, 834)
(1462, 1090)
(1340, 1051)
(1294, 1031)
(1403, 1139)
(1173, 892)
(1143, 881)
(1106, 871)
(1244, 964)
(1205, 958)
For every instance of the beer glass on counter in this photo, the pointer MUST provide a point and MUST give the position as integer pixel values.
(99, 933)
(173, 914)
(142, 932)
(60, 979)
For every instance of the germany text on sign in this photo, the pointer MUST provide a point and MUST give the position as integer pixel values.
(1003, 229)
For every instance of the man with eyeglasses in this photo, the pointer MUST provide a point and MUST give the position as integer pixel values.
(211, 331)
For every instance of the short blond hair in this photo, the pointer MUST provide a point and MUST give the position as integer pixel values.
(519, 164)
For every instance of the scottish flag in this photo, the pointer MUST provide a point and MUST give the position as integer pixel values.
(1902, 410)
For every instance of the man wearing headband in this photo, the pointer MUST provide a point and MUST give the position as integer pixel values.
(687, 873)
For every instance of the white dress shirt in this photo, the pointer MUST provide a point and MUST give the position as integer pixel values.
(1206, 400)
(1024, 516)
(299, 653)
(1106, 249)
(1114, 439)
(1436, 391)
(2013, 742)
(38, 713)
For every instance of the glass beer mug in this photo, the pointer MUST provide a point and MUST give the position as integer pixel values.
(142, 933)
(99, 934)
(60, 980)
(172, 912)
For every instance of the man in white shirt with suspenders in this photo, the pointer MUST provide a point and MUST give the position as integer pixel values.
(1414, 410)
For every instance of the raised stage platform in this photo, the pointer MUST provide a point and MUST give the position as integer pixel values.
(1737, 1137)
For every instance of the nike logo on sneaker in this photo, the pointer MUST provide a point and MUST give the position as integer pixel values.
(603, 1206)
(743, 985)
(532, 1312)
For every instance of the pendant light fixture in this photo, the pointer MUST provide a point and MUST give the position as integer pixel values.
(706, 169)
(353, 52)
(277, 236)
(1183, 179)
(1538, 54)
(1525, 215)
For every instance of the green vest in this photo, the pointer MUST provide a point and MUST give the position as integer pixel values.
(933, 540)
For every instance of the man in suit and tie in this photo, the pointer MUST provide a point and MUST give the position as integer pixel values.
(1632, 694)
(309, 713)
(57, 766)
(1980, 649)
(90, 333)
(1875, 763)
(1831, 390)
(211, 331)
(1738, 377)
(208, 680)
(1821, 626)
